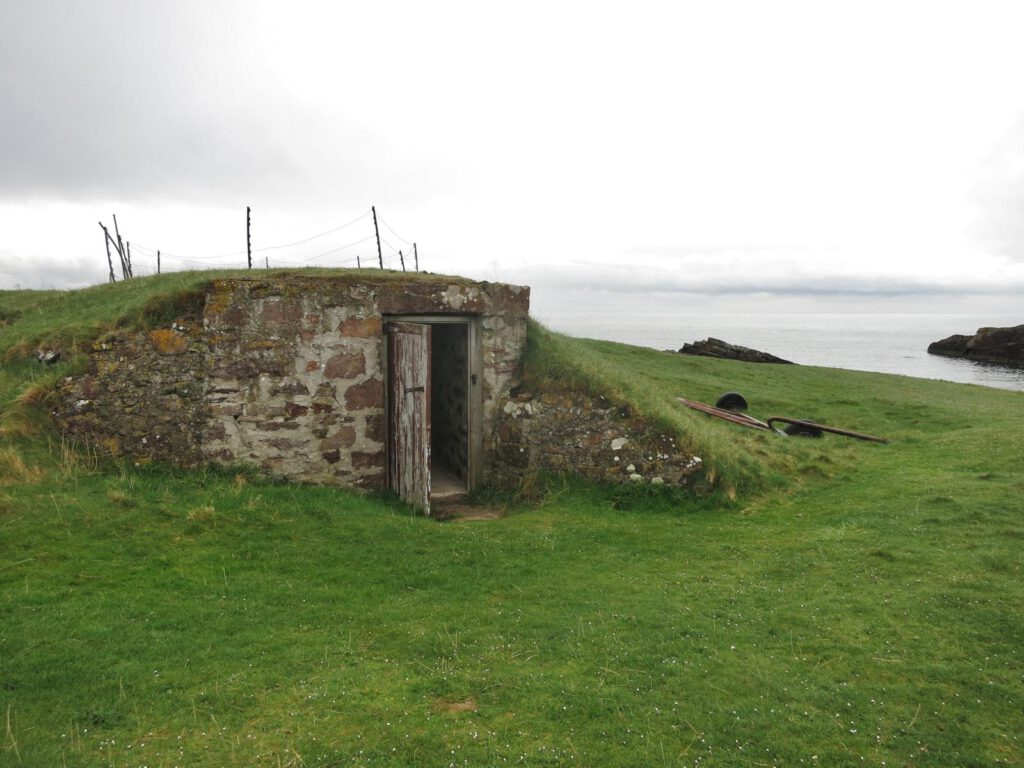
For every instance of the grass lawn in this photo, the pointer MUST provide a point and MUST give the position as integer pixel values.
(828, 602)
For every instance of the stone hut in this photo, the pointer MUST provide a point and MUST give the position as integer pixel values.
(397, 382)
(348, 380)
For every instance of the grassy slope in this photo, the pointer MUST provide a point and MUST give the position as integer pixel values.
(746, 460)
(68, 317)
(864, 610)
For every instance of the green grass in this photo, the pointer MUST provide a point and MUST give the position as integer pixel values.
(855, 604)
(749, 461)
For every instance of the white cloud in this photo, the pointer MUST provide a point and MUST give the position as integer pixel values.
(999, 195)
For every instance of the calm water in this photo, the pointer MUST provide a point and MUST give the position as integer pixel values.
(887, 343)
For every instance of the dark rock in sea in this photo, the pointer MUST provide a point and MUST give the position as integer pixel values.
(990, 345)
(711, 347)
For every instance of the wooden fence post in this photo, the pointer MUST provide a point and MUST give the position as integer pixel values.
(106, 242)
(125, 270)
(380, 258)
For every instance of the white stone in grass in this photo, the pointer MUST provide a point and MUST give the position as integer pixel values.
(636, 478)
(631, 468)
(657, 481)
(618, 443)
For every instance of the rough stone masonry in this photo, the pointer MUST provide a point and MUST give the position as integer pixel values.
(288, 373)
(575, 433)
(283, 373)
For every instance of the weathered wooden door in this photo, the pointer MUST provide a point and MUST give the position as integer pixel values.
(409, 412)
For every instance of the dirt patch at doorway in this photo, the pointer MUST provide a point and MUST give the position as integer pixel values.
(456, 511)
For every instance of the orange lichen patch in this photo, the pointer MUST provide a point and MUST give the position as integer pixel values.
(219, 298)
(468, 705)
(113, 446)
(168, 342)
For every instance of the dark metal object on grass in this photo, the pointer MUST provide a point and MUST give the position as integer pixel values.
(802, 430)
(732, 401)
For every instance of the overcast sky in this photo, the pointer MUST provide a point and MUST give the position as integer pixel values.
(726, 155)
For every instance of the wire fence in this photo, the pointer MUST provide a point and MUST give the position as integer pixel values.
(298, 253)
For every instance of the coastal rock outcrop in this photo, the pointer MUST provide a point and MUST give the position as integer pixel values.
(991, 345)
(712, 347)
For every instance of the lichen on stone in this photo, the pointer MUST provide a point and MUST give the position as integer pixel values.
(168, 342)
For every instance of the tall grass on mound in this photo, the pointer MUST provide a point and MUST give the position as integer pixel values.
(737, 460)
(67, 319)
(14, 470)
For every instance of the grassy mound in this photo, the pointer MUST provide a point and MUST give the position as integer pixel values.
(65, 319)
(865, 610)
(68, 321)
(737, 461)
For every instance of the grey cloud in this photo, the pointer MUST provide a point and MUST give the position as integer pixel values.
(49, 271)
(165, 102)
(725, 281)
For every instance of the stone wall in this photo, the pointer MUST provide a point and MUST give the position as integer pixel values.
(142, 395)
(587, 436)
(296, 381)
(287, 374)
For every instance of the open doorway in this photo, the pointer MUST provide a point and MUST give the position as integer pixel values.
(449, 410)
(433, 408)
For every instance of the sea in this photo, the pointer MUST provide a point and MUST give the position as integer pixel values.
(886, 343)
